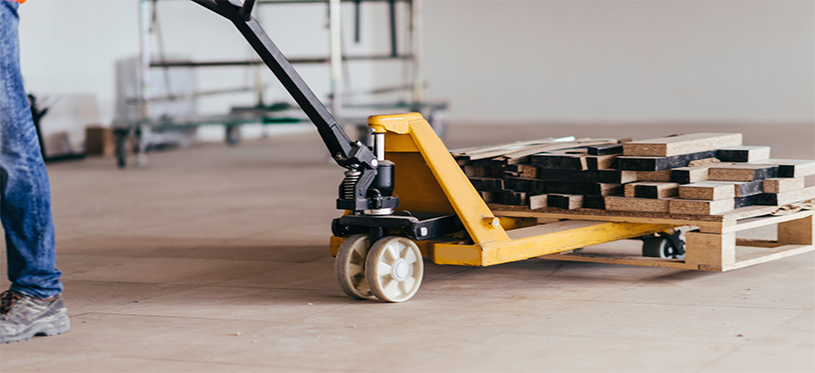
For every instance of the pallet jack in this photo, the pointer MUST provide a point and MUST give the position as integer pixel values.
(406, 198)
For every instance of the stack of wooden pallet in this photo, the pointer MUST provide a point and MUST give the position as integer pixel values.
(692, 174)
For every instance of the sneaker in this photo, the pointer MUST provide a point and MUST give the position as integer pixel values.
(22, 317)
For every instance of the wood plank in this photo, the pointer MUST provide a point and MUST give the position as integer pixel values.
(748, 188)
(785, 198)
(636, 204)
(764, 221)
(605, 149)
(490, 197)
(692, 174)
(601, 162)
(642, 163)
(530, 186)
(708, 190)
(521, 170)
(781, 185)
(664, 175)
(742, 172)
(681, 144)
(791, 167)
(708, 221)
(509, 197)
(487, 184)
(559, 161)
(767, 256)
(589, 176)
(602, 189)
(744, 153)
(594, 202)
(745, 201)
(699, 207)
(651, 189)
(565, 201)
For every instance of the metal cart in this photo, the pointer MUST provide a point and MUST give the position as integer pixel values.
(340, 102)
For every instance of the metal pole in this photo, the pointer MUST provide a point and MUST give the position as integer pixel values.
(416, 38)
(144, 80)
(335, 59)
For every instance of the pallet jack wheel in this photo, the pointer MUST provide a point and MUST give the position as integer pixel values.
(394, 269)
(350, 267)
(661, 247)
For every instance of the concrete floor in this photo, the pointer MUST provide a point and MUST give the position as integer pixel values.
(216, 259)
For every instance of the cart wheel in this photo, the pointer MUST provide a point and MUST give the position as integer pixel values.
(660, 247)
(394, 269)
(350, 267)
(233, 135)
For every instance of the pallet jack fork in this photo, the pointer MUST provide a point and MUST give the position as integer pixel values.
(406, 197)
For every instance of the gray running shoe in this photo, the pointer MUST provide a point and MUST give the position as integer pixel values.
(22, 317)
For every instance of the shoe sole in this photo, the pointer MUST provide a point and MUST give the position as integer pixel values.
(53, 325)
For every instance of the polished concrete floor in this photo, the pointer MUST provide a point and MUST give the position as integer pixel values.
(216, 259)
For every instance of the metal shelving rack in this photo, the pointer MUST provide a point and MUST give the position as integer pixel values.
(435, 112)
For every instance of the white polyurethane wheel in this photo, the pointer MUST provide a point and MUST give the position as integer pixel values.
(350, 267)
(394, 269)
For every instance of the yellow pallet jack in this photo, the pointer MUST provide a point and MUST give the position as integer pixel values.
(406, 197)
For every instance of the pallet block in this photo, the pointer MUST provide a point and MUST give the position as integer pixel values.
(681, 144)
(710, 249)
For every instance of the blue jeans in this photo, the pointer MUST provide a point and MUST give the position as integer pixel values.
(25, 195)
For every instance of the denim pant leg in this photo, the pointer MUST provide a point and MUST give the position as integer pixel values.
(25, 194)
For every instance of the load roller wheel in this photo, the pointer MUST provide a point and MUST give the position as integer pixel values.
(350, 267)
(394, 269)
(661, 247)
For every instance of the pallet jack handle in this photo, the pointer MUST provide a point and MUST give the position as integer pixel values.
(347, 153)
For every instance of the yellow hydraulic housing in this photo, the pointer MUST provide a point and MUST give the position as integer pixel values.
(428, 179)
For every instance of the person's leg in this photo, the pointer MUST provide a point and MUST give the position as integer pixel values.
(33, 305)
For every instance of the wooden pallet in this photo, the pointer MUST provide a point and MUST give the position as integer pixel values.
(714, 247)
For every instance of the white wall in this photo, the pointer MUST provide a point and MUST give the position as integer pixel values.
(71, 46)
(517, 61)
(495, 60)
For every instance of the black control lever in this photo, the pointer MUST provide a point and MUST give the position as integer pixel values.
(352, 155)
